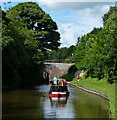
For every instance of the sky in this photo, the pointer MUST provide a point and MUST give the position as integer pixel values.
(74, 18)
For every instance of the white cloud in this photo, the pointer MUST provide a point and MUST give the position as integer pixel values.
(18, 0)
(70, 31)
(80, 18)
(96, 10)
(75, 18)
(72, 5)
(90, 18)
(52, 1)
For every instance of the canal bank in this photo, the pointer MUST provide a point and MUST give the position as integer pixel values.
(91, 85)
(90, 91)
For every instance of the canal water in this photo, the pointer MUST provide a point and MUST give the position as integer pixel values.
(36, 103)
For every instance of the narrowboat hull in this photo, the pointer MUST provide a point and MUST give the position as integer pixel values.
(59, 91)
(59, 94)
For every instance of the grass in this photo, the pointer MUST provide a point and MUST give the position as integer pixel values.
(101, 86)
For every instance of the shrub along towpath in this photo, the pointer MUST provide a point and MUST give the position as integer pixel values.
(102, 86)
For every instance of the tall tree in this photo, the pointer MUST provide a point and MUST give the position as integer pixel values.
(12, 53)
(29, 16)
(27, 33)
(96, 52)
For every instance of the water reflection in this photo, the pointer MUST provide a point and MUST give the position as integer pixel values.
(87, 105)
(59, 102)
(58, 108)
(36, 103)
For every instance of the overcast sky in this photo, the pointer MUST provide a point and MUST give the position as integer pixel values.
(74, 19)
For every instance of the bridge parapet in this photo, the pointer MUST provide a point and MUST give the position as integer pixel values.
(57, 69)
(60, 61)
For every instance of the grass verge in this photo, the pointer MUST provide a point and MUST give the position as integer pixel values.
(101, 86)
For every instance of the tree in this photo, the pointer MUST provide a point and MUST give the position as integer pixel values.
(63, 54)
(30, 17)
(12, 53)
(27, 33)
(96, 51)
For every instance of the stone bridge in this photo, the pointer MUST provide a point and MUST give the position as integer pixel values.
(52, 69)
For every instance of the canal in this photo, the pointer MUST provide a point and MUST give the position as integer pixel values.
(35, 103)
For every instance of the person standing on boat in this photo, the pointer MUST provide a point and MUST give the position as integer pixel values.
(55, 80)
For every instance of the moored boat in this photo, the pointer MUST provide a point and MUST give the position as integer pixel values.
(59, 90)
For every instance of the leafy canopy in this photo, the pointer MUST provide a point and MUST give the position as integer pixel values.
(96, 52)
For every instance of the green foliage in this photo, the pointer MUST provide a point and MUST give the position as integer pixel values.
(70, 75)
(27, 33)
(63, 54)
(32, 19)
(96, 52)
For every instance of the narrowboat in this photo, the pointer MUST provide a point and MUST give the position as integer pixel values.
(59, 90)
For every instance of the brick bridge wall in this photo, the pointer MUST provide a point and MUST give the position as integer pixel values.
(58, 69)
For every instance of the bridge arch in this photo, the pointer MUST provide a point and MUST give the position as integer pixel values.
(58, 69)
